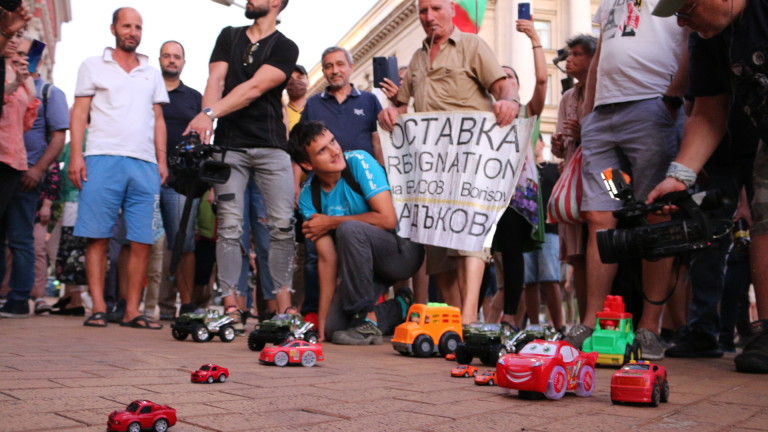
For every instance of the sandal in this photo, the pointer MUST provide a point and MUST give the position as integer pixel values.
(141, 322)
(92, 320)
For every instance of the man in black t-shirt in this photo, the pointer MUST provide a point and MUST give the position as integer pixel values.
(731, 65)
(249, 68)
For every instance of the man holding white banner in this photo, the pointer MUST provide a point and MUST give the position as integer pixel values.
(455, 71)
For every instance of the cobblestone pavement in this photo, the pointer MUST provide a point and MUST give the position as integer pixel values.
(57, 375)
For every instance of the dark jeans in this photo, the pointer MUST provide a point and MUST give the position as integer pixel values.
(734, 308)
(311, 278)
(369, 261)
(18, 228)
(9, 180)
(707, 268)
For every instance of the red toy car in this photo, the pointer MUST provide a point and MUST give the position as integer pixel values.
(641, 382)
(142, 415)
(210, 373)
(547, 367)
(464, 371)
(486, 378)
(297, 351)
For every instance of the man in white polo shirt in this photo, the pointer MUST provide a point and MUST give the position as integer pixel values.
(124, 162)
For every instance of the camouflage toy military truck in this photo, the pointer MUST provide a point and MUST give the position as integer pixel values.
(279, 329)
(528, 334)
(203, 326)
(487, 341)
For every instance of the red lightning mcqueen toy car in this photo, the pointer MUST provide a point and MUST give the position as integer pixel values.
(486, 378)
(297, 351)
(640, 382)
(464, 371)
(547, 367)
(210, 373)
(142, 415)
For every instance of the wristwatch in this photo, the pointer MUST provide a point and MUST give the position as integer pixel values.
(673, 102)
(209, 113)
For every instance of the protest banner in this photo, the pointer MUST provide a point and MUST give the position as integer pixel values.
(452, 175)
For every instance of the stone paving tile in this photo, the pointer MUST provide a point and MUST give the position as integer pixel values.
(15, 375)
(7, 384)
(466, 408)
(276, 402)
(53, 405)
(110, 391)
(759, 421)
(440, 397)
(20, 422)
(717, 413)
(252, 422)
(503, 421)
(358, 410)
(188, 386)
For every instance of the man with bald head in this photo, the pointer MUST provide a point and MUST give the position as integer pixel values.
(449, 60)
(124, 162)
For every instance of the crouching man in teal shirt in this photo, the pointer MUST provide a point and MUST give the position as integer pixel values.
(349, 215)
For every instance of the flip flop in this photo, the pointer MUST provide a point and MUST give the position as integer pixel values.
(141, 322)
(92, 320)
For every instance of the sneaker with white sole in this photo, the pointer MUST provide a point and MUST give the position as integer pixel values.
(754, 358)
(650, 345)
(578, 334)
(367, 333)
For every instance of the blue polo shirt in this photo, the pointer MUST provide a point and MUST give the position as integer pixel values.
(352, 122)
(185, 103)
(55, 116)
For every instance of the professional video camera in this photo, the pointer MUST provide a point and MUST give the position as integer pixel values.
(692, 228)
(193, 169)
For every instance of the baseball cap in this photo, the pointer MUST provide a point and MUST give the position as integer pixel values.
(300, 69)
(667, 8)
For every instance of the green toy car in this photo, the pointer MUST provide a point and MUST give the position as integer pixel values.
(204, 326)
(487, 341)
(614, 335)
(279, 329)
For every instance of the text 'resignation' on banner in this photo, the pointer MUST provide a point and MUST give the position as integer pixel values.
(452, 174)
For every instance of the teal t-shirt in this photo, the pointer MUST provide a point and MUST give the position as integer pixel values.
(342, 200)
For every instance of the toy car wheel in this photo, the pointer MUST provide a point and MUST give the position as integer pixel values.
(310, 337)
(655, 396)
(308, 359)
(222, 378)
(179, 334)
(161, 425)
(463, 354)
(637, 350)
(200, 333)
(423, 346)
(134, 427)
(615, 402)
(558, 383)
(586, 384)
(628, 354)
(281, 359)
(210, 379)
(448, 343)
(493, 354)
(254, 344)
(466, 375)
(490, 382)
(474, 374)
(664, 397)
(227, 333)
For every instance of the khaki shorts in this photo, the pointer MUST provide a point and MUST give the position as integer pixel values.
(440, 259)
(760, 200)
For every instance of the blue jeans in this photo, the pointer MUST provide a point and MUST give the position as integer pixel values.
(311, 278)
(272, 171)
(18, 227)
(255, 220)
(707, 268)
(172, 207)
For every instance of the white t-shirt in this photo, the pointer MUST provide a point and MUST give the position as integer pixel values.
(122, 116)
(640, 52)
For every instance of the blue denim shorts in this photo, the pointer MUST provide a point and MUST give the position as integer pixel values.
(116, 182)
(543, 265)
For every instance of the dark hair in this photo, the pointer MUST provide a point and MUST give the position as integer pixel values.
(183, 52)
(301, 137)
(283, 4)
(116, 15)
(334, 49)
(586, 41)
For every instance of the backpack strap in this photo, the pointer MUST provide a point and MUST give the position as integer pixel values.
(348, 177)
(45, 93)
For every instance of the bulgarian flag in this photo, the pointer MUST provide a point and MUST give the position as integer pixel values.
(469, 15)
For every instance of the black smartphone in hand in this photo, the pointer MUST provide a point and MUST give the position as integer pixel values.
(34, 55)
(524, 11)
(385, 67)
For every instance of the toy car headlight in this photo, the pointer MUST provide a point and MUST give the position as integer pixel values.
(501, 361)
(537, 364)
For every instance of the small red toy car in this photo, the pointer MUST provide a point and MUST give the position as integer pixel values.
(641, 382)
(210, 373)
(464, 371)
(548, 367)
(297, 351)
(486, 378)
(142, 415)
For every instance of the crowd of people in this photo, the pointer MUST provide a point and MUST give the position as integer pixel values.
(675, 103)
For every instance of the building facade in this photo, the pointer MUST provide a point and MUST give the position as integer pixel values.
(392, 28)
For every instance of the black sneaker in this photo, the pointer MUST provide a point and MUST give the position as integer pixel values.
(695, 344)
(15, 309)
(754, 358)
(366, 333)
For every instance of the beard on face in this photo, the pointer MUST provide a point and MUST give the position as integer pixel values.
(255, 12)
(170, 73)
(125, 46)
